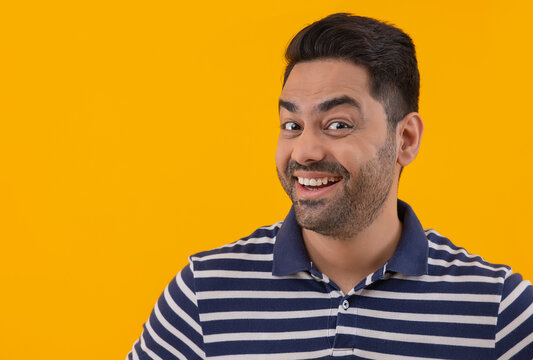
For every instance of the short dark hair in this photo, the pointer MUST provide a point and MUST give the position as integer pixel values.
(387, 53)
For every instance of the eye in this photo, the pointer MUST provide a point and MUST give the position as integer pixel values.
(290, 126)
(337, 125)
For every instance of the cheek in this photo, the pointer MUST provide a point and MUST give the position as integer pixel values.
(352, 157)
(283, 155)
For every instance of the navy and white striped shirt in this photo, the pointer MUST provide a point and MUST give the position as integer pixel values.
(262, 298)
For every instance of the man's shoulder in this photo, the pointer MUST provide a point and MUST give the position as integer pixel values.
(445, 258)
(259, 245)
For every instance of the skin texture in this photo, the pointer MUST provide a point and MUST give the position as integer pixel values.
(351, 228)
(352, 208)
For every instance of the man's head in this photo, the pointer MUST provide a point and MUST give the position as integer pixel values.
(343, 141)
(386, 52)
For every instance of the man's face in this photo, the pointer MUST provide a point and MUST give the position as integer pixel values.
(335, 156)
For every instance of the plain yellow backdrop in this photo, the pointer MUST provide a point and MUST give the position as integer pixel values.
(133, 134)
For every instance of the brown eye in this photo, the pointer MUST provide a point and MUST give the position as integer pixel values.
(337, 125)
(290, 126)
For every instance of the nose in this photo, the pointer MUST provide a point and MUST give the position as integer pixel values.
(308, 148)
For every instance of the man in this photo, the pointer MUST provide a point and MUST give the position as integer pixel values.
(350, 273)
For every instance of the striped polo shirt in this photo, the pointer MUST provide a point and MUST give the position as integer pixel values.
(262, 298)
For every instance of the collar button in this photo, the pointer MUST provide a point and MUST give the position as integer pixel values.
(345, 304)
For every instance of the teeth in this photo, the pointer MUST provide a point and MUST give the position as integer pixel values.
(315, 182)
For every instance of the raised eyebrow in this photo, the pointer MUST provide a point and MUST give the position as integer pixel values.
(341, 100)
(292, 107)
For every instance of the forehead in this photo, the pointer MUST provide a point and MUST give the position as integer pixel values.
(314, 80)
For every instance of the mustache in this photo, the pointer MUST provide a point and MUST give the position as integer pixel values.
(323, 166)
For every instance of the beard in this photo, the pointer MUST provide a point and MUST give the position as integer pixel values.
(358, 203)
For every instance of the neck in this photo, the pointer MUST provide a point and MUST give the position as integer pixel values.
(348, 261)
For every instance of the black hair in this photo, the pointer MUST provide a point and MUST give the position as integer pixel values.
(386, 52)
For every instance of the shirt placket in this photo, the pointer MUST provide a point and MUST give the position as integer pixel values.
(344, 317)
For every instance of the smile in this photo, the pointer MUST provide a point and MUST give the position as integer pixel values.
(316, 187)
(317, 183)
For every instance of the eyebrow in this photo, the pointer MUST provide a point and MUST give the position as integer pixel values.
(288, 106)
(331, 103)
(323, 106)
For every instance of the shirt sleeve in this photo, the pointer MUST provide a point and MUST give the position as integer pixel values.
(173, 330)
(514, 330)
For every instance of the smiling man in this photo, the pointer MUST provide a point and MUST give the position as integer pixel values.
(338, 159)
(350, 273)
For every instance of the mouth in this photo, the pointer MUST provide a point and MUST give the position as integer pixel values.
(314, 184)
(315, 187)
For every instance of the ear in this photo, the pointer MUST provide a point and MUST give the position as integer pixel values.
(408, 136)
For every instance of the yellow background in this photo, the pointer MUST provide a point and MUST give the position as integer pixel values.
(133, 134)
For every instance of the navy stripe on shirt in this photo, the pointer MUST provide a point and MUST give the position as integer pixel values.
(262, 298)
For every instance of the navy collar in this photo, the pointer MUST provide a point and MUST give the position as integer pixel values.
(410, 257)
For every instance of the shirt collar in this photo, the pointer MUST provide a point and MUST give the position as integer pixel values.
(290, 254)
(410, 257)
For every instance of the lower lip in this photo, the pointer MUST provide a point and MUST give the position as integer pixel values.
(304, 193)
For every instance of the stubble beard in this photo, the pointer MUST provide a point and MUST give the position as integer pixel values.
(354, 208)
